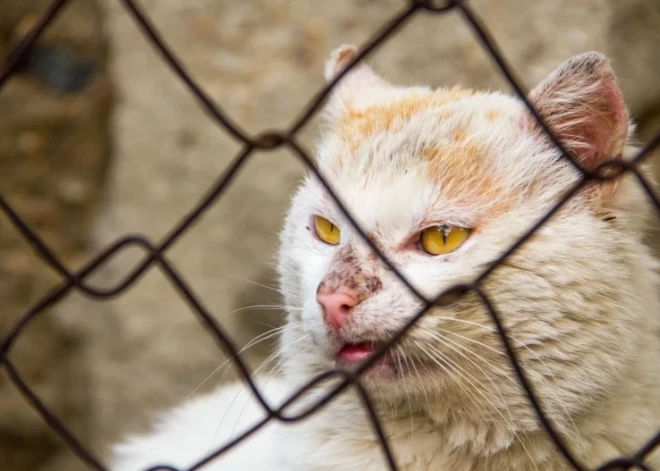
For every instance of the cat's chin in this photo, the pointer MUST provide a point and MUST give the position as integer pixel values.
(380, 371)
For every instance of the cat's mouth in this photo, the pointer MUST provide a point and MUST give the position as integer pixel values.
(352, 355)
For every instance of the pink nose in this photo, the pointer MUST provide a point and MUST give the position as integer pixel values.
(337, 306)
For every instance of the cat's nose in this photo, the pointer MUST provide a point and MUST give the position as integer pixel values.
(336, 306)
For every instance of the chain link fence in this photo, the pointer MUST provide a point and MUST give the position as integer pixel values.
(156, 254)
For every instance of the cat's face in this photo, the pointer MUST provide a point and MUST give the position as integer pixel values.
(443, 182)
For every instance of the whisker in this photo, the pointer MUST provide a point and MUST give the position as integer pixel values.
(421, 382)
(447, 342)
(508, 377)
(446, 368)
(258, 339)
(263, 364)
(272, 288)
(499, 352)
(265, 307)
(270, 326)
(472, 380)
(514, 380)
(405, 387)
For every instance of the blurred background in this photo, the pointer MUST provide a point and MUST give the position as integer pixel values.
(98, 138)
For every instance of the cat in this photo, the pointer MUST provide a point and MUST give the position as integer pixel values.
(443, 182)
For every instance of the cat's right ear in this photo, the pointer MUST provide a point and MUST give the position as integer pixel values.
(358, 88)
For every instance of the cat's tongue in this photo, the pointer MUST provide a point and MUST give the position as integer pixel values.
(355, 352)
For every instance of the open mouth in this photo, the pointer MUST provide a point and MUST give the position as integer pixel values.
(356, 352)
(352, 355)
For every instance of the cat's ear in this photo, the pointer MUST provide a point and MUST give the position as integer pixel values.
(583, 105)
(356, 89)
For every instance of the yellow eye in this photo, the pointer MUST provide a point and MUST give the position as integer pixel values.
(327, 231)
(443, 239)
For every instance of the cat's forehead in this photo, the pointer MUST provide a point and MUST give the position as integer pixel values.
(459, 120)
(452, 147)
(391, 109)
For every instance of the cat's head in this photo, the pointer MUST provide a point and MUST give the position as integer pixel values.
(443, 182)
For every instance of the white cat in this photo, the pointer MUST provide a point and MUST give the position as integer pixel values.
(443, 182)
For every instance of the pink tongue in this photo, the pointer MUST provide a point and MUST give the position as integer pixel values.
(351, 353)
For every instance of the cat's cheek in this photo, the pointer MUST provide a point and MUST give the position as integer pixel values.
(313, 268)
(314, 326)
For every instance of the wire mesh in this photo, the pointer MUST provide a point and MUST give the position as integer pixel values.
(267, 141)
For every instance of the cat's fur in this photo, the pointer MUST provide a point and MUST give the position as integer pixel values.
(579, 299)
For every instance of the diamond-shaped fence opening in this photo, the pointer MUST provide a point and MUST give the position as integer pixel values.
(270, 140)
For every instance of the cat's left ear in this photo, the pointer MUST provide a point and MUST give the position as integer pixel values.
(583, 105)
(358, 88)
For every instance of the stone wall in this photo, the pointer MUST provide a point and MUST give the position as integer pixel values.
(262, 61)
(54, 154)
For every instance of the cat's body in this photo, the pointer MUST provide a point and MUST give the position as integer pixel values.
(443, 182)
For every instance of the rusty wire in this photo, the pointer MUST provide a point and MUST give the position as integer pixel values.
(270, 140)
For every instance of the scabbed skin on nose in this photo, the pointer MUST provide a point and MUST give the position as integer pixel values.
(336, 307)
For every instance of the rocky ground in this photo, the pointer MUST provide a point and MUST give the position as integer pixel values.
(262, 61)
